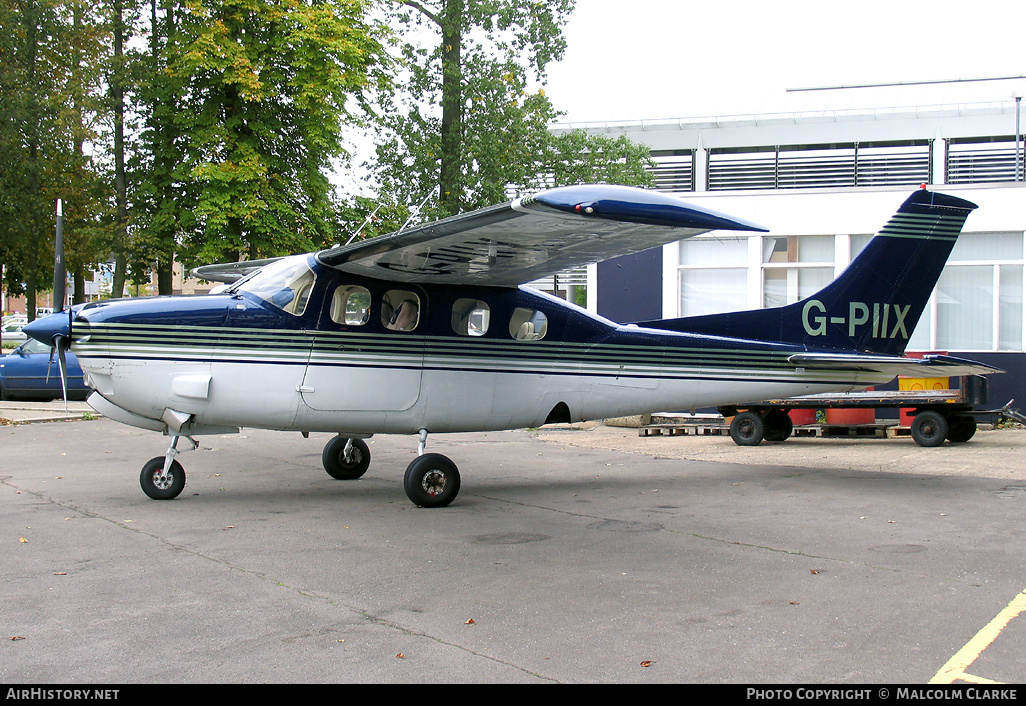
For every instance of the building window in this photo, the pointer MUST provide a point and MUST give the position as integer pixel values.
(673, 170)
(977, 304)
(984, 159)
(713, 275)
(795, 267)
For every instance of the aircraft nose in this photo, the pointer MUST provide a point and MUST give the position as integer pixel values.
(49, 327)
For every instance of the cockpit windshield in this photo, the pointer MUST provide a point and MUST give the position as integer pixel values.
(286, 284)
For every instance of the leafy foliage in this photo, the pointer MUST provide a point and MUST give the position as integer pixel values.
(473, 121)
(265, 91)
(48, 110)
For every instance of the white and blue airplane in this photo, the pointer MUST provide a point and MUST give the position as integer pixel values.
(432, 330)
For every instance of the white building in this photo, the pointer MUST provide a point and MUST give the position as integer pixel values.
(823, 176)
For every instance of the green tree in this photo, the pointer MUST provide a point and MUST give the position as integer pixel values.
(262, 92)
(159, 197)
(473, 121)
(48, 112)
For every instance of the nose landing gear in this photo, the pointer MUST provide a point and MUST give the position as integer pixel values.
(163, 478)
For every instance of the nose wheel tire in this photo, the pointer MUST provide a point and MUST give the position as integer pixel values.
(432, 480)
(159, 486)
(343, 465)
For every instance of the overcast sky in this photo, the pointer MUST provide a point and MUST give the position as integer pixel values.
(650, 59)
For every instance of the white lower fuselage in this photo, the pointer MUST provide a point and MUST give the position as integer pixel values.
(468, 387)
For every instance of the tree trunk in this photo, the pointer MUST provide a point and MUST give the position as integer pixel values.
(451, 135)
(120, 193)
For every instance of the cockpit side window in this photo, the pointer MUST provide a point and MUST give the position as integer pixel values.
(470, 317)
(400, 310)
(286, 284)
(528, 324)
(350, 305)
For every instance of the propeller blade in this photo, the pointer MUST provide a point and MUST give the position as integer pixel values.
(60, 272)
(62, 364)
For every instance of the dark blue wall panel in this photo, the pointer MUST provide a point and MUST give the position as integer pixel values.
(630, 287)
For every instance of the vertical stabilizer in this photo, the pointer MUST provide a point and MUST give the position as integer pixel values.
(875, 304)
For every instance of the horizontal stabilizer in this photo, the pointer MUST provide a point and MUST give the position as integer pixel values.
(927, 366)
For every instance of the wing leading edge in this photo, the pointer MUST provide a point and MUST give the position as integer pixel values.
(530, 238)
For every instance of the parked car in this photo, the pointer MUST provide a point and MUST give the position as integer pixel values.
(29, 373)
(11, 332)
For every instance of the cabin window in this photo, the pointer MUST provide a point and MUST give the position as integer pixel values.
(528, 324)
(286, 284)
(400, 310)
(350, 305)
(470, 317)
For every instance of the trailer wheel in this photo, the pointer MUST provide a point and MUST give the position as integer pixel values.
(748, 429)
(930, 428)
(961, 428)
(778, 425)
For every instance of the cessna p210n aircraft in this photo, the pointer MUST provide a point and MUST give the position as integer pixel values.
(431, 330)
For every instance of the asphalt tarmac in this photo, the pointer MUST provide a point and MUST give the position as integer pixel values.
(570, 556)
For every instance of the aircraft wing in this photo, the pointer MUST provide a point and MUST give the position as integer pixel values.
(530, 238)
(927, 366)
(229, 272)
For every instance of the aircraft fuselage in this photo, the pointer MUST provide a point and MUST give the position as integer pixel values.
(335, 357)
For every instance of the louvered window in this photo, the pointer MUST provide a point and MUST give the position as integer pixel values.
(982, 160)
(673, 170)
(810, 166)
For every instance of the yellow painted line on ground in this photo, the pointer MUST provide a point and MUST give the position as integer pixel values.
(956, 667)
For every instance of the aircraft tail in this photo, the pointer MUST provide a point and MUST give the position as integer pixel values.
(875, 304)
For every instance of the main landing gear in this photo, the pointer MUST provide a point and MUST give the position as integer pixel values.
(431, 480)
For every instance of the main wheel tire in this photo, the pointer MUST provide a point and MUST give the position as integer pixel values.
(930, 428)
(431, 480)
(341, 467)
(166, 489)
(961, 428)
(778, 425)
(748, 429)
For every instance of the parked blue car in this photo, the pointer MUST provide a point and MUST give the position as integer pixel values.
(28, 373)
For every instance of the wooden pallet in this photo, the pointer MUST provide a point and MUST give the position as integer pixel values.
(684, 430)
(831, 431)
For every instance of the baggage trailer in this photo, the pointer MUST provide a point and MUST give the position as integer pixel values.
(938, 415)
